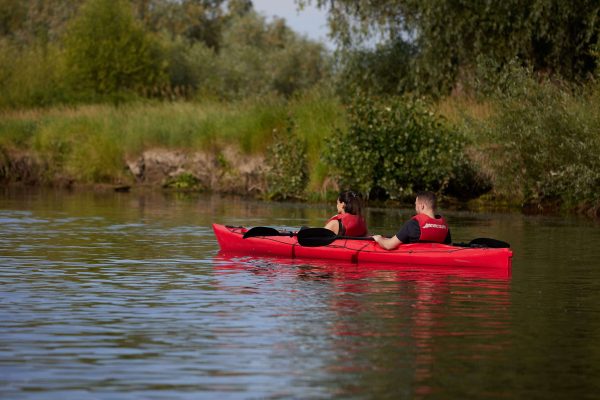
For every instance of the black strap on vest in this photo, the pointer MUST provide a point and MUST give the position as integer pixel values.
(341, 229)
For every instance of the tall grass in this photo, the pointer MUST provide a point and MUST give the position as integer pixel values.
(539, 141)
(92, 142)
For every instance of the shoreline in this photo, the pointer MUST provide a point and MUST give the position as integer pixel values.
(224, 172)
(481, 205)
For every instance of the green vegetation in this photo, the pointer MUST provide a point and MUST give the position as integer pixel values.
(103, 51)
(464, 98)
(541, 142)
(108, 53)
(395, 147)
(184, 181)
(288, 174)
(441, 40)
(90, 143)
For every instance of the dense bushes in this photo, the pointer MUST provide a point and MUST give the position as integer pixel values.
(541, 141)
(535, 143)
(288, 173)
(396, 145)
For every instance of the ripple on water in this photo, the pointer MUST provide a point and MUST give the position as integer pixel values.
(101, 299)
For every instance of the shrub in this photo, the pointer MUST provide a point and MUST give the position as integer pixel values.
(184, 181)
(288, 176)
(542, 141)
(395, 145)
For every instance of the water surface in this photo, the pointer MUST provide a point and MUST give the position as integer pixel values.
(125, 296)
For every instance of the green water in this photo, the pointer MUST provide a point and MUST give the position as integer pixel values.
(124, 296)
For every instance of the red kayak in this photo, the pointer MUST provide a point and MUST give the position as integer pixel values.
(362, 251)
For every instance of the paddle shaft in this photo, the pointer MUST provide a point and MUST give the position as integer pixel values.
(266, 231)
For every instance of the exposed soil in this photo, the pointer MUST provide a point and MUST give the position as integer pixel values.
(226, 171)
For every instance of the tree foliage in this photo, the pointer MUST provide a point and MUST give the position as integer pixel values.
(258, 57)
(194, 20)
(551, 36)
(29, 22)
(108, 52)
(385, 70)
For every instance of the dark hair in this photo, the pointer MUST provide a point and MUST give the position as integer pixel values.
(428, 198)
(353, 202)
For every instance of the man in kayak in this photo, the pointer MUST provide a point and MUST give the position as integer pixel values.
(349, 220)
(426, 226)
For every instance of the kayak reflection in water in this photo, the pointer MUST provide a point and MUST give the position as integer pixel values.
(349, 220)
(426, 226)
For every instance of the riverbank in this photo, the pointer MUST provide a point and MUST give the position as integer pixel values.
(537, 154)
(229, 171)
(209, 146)
(162, 170)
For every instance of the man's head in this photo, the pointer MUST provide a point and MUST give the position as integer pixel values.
(426, 202)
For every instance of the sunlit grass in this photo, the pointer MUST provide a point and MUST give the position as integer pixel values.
(92, 141)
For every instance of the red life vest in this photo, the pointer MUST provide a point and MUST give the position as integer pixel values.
(352, 225)
(432, 229)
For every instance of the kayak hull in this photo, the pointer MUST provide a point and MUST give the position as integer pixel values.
(362, 251)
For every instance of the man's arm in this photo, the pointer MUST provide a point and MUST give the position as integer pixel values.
(409, 230)
(387, 243)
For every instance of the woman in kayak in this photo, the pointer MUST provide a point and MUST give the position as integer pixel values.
(349, 220)
(426, 226)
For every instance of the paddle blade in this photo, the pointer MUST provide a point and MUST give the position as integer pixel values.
(261, 231)
(315, 237)
(488, 242)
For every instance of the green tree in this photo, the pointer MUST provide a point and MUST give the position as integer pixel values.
(552, 36)
(35, 22)
(259, 57)
(108, 53)
(12, 16)
(385, 70)
(194, 20)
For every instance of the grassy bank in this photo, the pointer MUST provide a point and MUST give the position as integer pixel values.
(90, 143)
(534, 144)
(537, 141)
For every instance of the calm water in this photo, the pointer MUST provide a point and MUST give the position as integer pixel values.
(124, 296)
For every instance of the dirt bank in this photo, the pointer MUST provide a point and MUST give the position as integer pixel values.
(225, 171)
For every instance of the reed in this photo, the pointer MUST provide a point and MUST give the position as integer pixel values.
(91, 141)
(537, 144)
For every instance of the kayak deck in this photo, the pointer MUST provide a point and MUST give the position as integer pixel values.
(361, 251)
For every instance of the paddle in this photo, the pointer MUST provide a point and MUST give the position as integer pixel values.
(265, 231)
(487, 242)
(315, 237)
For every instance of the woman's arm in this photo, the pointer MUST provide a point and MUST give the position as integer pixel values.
(333, 226)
